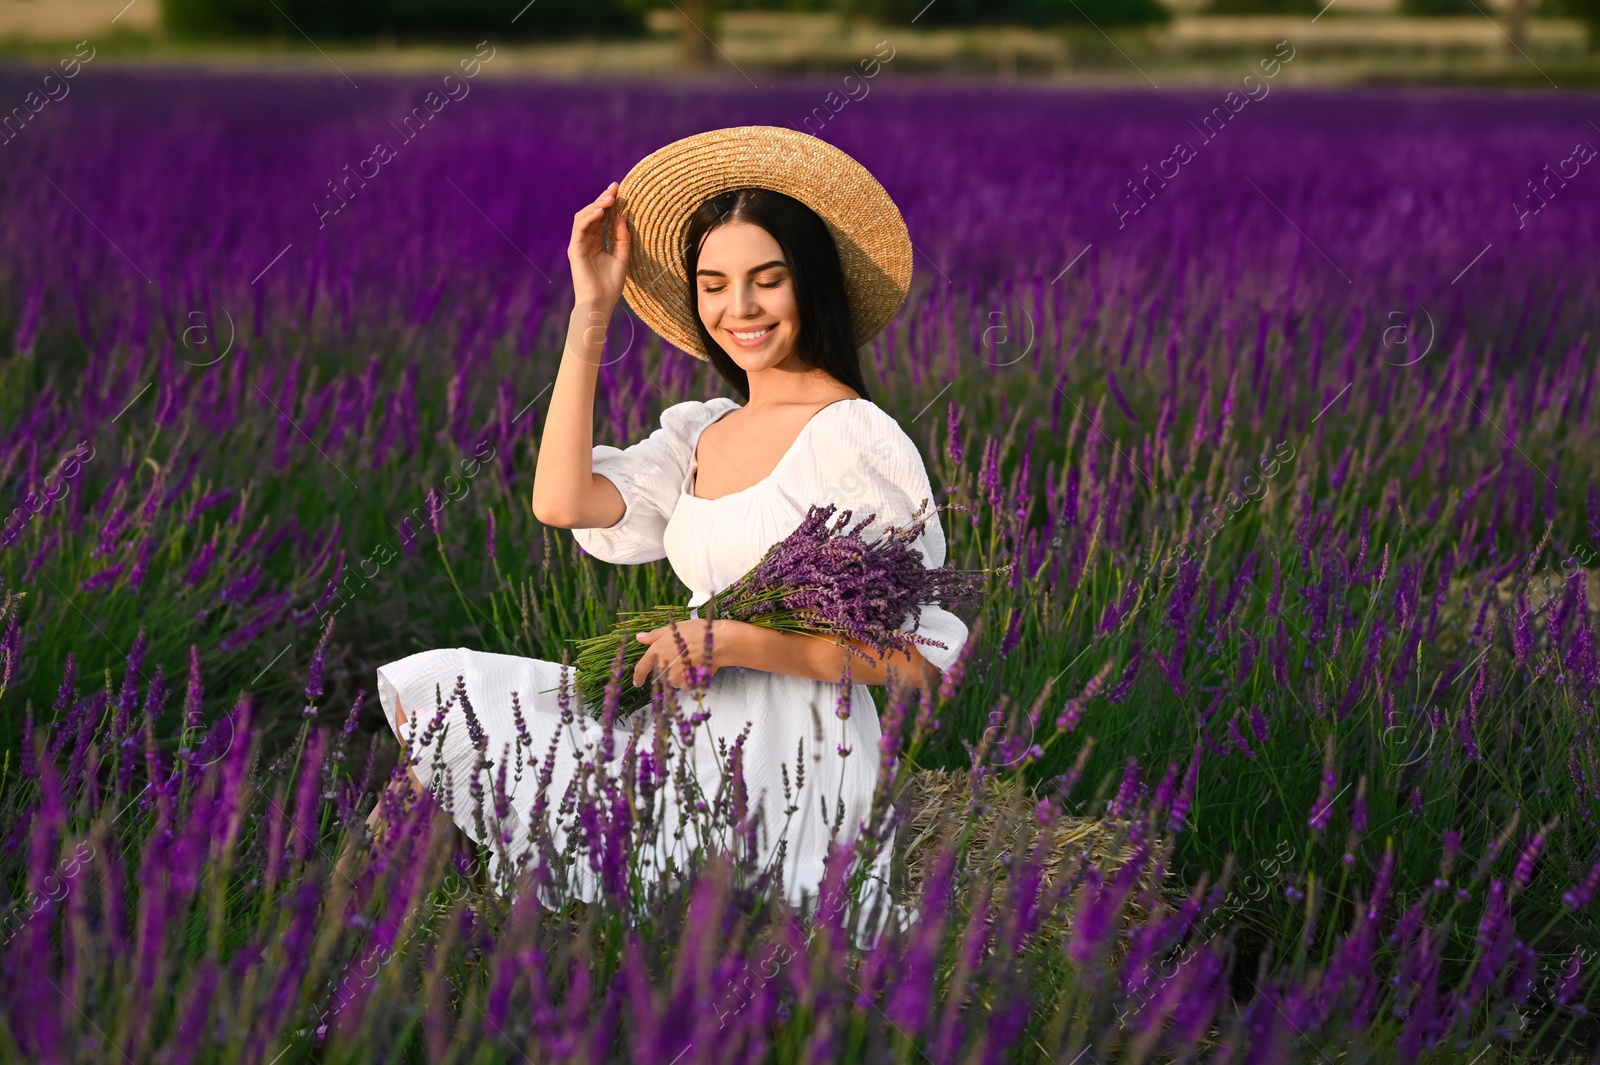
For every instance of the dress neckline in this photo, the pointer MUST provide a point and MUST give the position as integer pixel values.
(686, 489)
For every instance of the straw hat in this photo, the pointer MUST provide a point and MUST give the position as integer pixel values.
(665, 187)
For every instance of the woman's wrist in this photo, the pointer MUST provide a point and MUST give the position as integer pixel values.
(582, 309)
(586, 329)
(730, 642)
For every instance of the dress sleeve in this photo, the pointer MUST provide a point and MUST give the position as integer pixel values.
(649, 475)
(866, 463)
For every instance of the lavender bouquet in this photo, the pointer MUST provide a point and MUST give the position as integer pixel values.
(820, 579)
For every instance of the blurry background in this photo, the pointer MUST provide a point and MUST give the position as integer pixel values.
(1534, 42)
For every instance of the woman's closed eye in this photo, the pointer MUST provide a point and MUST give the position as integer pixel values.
(710, 290)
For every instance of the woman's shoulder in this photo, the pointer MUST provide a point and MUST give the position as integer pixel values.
(863, 460)
(684, 419)
(861, 420)
(861, 434)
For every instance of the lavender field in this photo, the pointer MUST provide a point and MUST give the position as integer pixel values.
(1289, 437)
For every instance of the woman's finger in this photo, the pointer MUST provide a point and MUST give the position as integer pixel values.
(620, 237)
(585, 223)
(599, 202)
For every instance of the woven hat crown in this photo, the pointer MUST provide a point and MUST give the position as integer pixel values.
(665, 188)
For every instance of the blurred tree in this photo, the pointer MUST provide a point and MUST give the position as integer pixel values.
(1265, 7)
(697, 33)
(1586, 10)
(1018, 12)
(1517, 25)
(406, 19)
(1438, 7)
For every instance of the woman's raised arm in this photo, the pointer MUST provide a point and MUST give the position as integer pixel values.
(567, 493)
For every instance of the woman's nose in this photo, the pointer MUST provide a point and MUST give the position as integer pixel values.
(744, 301)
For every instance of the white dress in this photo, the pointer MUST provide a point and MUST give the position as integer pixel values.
(850, 453)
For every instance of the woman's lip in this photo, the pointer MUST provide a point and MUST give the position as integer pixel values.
(755, 342)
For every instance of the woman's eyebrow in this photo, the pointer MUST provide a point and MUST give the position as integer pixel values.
(753, 269)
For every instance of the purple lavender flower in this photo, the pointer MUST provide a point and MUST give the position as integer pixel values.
(1578, 896)
(314, 675)
(1116, 610)
(1101, 903)
(141, 562)
(1322, 809)
(111, 532)
(1358, 811)
(435, 507)
(1475, 696)
(1247, 657)
(67, 694)
(819, 579)
(202, 563)
(1130, 673)
(952, 446)
(1237, 739)
(989, 479)
(950, 683)
(1013, 635)
(239, 589)
(10, 650)
(28, 327)
(1522, 632)
(1164, 790)
(1127, 791)
(1496, 919)
(1278, 654)
(1341, 470)
(1452, 848)
(1122, 401)
(195, 692)
(1180, 607)
(1180, 806)
(38, 560)
(1567, 990)
(1523, 872)
(206, 502)
(102, 580)
(1273, 600)
(1068, 719)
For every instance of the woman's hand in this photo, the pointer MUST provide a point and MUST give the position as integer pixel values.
(663, 655)
(597, 274)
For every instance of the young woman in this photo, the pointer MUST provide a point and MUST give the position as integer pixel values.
(778, 300)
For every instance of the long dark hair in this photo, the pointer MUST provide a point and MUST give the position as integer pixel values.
(827, 337)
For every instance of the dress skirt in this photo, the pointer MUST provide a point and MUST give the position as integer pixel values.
(831, 784)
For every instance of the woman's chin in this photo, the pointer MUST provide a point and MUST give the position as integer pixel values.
(752, 361)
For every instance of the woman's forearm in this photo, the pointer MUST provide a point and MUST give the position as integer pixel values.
(799, 654)
(566, 491)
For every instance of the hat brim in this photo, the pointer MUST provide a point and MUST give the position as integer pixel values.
(665, 187)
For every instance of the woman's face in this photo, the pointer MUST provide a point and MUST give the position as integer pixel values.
(746, 295)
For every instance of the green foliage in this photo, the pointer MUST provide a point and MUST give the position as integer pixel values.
(449, 19)
(1264, 7)
(1017, 12)
(1586, 10)
(1438, 7)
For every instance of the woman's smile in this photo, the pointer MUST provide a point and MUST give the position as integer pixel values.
(752, 337)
